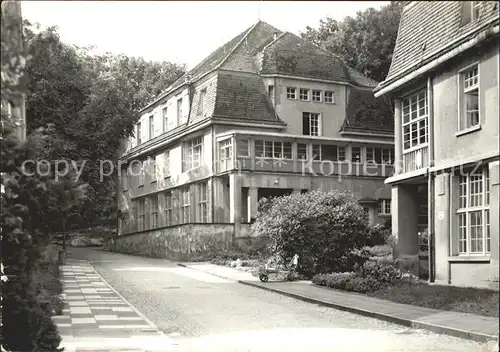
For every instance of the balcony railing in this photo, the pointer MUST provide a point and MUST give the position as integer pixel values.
(416, 159)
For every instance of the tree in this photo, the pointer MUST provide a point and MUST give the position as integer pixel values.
(365, 43)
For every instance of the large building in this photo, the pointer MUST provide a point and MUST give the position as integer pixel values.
(266, 114)
(443, 81)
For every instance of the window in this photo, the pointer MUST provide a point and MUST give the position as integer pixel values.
(168, 208)
(124, 178)
(166, 164)
(291, 93)
(152, 168)
(186, 205)
(193, 153)
(142, 215)
(151, 127)
(473, 213)
(139, 133)
(469, 114)
(380, 155)
(270, 93)
(141, 174)
(356, 156)
(304, 94)
(243, 147)
(325, 152)
(154, 211)
(415, 120)
(273, 149)
(310, 124)
(179, 111)
(201, 104)
(316, 96)
(165, 119)
(476, 6)
(202, 202)
(302, 153)
(330, 97)
(384, 207)
(225, 154)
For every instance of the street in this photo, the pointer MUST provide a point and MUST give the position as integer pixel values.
(201, 312)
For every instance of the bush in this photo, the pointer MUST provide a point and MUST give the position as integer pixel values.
(382, 273)
(348, 281)
(378, 235)
(323, 228)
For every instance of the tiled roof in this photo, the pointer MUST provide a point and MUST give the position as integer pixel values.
(428, 26)
(367, 113)
(243, 96)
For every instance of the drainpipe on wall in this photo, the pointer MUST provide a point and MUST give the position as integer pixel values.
(214, 171)
(431, 182)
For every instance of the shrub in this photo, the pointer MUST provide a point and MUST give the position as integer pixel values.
(323, 228)
(362, 284)
(348, 281)
(378, 235)
(382, 273)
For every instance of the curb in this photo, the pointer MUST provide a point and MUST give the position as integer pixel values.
(469, 335)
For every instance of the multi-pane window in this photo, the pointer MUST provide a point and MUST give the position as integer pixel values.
(179, 111)
(273, 149)
(193, 153)
(140, 169)
(415, 110)
(166, 164)
(356, 154)
(243, 147)
(291, 93)
(473, 213)
(186, 205)
(202, 202)
(380, 155)
(316, 96)
(154, 211)
(310, 124)
(302, 151)
(201, 103)
(470, 98)
(141, 224)
(139, 140)
(151, 126)
(225, 154)
(152, 168)
(270, 93)
(325, 152)
(329, 97)
(384, 207)
(168, 208)
(304, 94)
(165, 119)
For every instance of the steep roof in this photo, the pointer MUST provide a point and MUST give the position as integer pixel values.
(366, 113)
(427, 27)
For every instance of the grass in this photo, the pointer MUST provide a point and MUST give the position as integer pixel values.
(457, 299)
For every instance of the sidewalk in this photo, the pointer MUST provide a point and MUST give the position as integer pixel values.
(468, 326)
(97, 318)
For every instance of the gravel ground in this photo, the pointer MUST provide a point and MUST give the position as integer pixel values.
(205, 313)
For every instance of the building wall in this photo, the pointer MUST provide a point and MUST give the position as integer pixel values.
(449, 146)
(290, 111)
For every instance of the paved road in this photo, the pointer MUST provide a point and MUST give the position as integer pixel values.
(202, 312)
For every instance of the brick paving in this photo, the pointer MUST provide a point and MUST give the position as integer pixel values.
(96, 318)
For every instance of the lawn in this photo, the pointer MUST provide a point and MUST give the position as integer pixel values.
(457, 299)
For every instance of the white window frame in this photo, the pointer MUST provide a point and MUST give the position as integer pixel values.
(201, 102)
(240, 147)
(164, 115)
(186, 205)
(463, 116)
(386, 155)
(166, 164)
(154, 208)
(169, 221)
(271, 149)
(317, 150)
(271, 93)
(225, 153)
(193, 155)
(314, 128)
(140, 179)
(141, 218)
(318, 97)
(138, 130)
(327, 98)
(151, 126)
(179, 111)
(384, 207)
(414, 123)
(299, 153)
(152, 168)
(468, 204)
(304, 92)
(291, 93)
(475, 6)
(361, 154)
(203, 202)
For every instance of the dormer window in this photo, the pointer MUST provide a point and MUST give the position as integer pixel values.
(470, 11)
(475, 10)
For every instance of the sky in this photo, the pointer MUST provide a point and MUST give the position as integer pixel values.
(177, 31)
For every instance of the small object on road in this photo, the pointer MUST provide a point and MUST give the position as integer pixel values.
(263, 271)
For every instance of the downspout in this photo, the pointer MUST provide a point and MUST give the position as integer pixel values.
(214, 171)
(431, 182)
